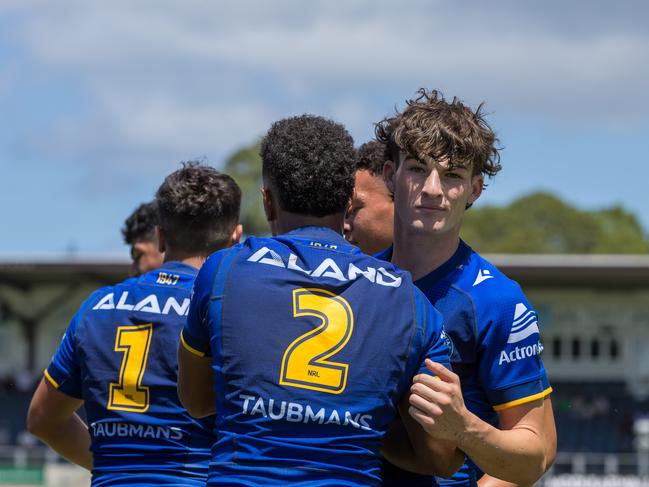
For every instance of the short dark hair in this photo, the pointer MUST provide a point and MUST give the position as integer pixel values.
(310, 161)
(370, 157)
(432, 127)
(140, 225)
(198, 208)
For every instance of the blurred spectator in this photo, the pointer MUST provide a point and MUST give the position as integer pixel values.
(24, 380)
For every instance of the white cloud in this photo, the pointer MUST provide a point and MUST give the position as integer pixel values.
(487, 54)
(172, 77)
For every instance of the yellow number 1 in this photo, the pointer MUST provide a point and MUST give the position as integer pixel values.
(129, 394)
(305, 361)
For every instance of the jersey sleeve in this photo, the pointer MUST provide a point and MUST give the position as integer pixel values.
(64, 372)
(509, 355)
(195, 336)
(435, 340)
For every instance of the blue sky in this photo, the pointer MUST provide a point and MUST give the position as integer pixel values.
(100, 100)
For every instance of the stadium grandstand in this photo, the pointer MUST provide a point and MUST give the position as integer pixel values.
(594, 315)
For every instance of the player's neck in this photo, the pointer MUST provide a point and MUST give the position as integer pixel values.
(421, 254)
(196, 261)
(286, 222)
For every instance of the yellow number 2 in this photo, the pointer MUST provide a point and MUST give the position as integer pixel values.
(305, 361)
(129, 394)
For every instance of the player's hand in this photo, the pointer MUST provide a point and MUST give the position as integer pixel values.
(436, 403)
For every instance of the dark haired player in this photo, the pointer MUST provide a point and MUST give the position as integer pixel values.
(118, 356)
(499, 415)
(369, 221)
(139, 232)
(302, 345)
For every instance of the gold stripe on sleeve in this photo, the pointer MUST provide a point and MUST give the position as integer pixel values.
(523, 400)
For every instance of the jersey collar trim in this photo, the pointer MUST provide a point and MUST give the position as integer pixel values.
(177, 266)
(318, 233)
(459, 258)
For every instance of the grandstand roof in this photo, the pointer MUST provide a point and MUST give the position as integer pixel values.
(27, 268)
(593, 270)
(539, 269)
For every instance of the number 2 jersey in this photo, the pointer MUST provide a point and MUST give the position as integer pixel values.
(119, 355)
(495, 346)
(312, 344)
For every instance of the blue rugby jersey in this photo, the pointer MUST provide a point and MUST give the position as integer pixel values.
(119, 355)
(313, 344)
(496, 346)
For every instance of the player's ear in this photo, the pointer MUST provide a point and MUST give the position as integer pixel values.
(236, 234)
(269, 207)
(389, 170)
(348, 208)
(477, 185)
(160, 237)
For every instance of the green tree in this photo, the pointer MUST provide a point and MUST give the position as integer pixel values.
(244, 165)
(620, 230)
(543, 223)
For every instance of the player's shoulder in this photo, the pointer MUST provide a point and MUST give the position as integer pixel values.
(99, 295)
(385, 258)
(495, 296)
(261, 246)
(215, 259)
(387, 266)
(212, 269)
(425, 312)
(486, 283)
(385, 272)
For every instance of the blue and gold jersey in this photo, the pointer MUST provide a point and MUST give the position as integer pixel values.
(313, 344)
(119, 356)
(495, 345)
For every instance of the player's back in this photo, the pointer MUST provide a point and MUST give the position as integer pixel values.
(126, 337)
(314, 344)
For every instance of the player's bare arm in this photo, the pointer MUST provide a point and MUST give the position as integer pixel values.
(195, 383)
(516, 454)
(507, 419)
(52, 418)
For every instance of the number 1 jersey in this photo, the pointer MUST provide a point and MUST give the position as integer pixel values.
(119, 355)
(313, 344)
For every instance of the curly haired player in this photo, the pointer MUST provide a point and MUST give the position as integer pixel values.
(496, 405)
(118, 355)
(139, 232)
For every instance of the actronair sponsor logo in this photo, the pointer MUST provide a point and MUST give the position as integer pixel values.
(525, 324)
(519, 353)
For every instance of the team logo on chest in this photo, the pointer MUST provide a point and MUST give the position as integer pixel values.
(483, 275)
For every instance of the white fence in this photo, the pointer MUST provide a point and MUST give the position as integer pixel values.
(39, 466)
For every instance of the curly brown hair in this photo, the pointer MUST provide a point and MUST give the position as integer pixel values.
(370, 157)
(432, 127)
(198, 208)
